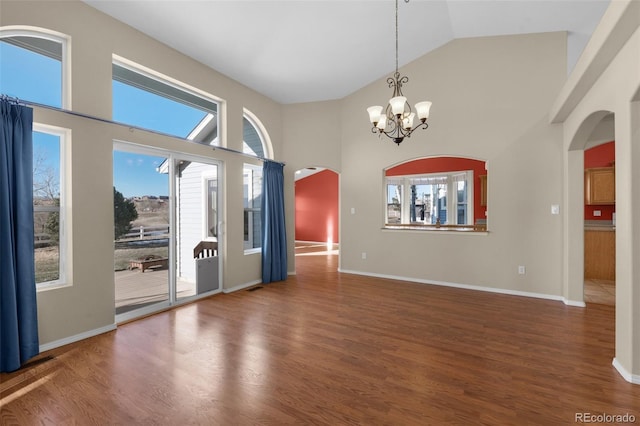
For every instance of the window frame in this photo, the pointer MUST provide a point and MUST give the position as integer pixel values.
(251, 213)
(65, 59)
(64, 136)
(267, 148)
(208, 197)
(452, 202)
(188, 90)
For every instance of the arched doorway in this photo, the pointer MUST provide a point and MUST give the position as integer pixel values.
(597, 128)
(317, 213)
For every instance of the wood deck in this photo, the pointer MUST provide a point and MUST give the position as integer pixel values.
(134, 289)
(327, 348)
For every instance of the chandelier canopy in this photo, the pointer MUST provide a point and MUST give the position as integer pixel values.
(396, 120)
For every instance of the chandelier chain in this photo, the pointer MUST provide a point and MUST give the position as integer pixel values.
(406, 1)
(396, 36)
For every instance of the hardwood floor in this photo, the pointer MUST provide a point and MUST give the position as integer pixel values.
(327, 348)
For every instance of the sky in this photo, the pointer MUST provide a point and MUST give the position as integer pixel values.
(37, 78)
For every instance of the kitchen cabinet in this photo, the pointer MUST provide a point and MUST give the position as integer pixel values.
(600, 186)
(483, 190)
(600, 254)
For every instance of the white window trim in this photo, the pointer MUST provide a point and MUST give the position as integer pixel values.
(65, 40)
(220, 140)
(64, 212)
(206, 177)
(452, 202)
(256, 249)
(262, 132)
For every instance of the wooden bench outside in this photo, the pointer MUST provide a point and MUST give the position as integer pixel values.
(149, 263)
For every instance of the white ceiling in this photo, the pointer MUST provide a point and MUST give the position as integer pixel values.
(301, 51)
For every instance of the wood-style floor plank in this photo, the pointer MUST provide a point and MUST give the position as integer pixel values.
(327, 348)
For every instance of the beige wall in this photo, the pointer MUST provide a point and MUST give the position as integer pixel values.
(491, 98)
(87, 304)
(311, 138)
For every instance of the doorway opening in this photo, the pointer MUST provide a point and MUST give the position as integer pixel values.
(599, 213)
(317, 213)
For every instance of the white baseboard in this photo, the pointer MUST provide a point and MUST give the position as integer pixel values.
(576, 303)
(241, 286)
(324, 243)
(458, 285)
(72, 339)
(631, 378)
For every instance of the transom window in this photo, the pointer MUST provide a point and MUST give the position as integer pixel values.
(150, 102)
(255, 141)
(31, 68)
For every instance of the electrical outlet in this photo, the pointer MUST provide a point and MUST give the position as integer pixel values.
(364, 255)
(597, 213)
(521, 270)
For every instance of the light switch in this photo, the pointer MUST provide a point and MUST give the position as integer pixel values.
(555, 209)
(353, 210)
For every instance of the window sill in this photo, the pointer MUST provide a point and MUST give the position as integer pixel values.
(51, 285)
(447, 229)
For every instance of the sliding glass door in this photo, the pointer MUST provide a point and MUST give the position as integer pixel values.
(142, 230)
(166, 229)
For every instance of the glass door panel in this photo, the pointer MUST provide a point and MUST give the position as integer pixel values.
(197, 236)
(142, 211)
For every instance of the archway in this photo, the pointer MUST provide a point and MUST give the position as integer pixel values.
(317, 212)
(594, 130)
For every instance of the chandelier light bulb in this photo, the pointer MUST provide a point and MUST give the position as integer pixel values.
(422, 109)
(407, 122)
(375, 112)
(397, 105)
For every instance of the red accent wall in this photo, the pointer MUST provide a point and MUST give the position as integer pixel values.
(317, 207)
(447, 164)
(600, 156)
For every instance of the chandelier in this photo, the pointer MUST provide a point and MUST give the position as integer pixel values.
(396, 120)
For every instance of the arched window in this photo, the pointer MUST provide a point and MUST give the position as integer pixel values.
(33, 66)
(255, 140)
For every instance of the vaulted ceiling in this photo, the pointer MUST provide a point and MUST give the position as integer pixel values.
(301, 51)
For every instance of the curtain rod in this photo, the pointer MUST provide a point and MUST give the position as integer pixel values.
(18, 101)
(12, 100)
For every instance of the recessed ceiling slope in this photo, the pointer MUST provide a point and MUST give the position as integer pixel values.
(303, 51)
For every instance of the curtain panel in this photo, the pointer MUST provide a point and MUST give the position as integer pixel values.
(18, 311)
(274, 237)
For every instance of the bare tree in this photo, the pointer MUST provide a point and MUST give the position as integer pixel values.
(46, 180)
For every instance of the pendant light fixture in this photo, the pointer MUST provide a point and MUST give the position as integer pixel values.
(396, 120)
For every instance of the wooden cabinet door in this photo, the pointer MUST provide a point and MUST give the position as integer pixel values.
(600, 186)
(600, 255)
(483, 190)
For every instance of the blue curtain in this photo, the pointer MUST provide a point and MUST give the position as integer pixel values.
(274, 236)
(18, 312)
